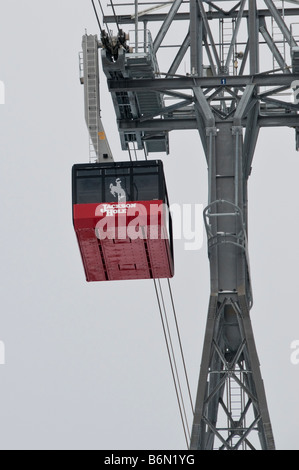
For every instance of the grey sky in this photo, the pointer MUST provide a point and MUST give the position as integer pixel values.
(86, 364)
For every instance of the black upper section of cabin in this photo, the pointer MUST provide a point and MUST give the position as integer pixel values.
(118, 182)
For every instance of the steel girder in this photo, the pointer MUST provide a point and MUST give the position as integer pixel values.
(231, 411)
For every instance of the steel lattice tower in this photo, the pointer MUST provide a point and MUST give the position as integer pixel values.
(228, 97)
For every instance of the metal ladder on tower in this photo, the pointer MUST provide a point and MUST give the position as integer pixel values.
(236, 405)
(99, 149)
(278, 38)
(227, 26)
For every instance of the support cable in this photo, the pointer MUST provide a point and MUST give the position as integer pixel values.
(115, 17)
(171, 366)
(169, 342)
(103, 15)
(97, 16)
(174, 359)
(134, 147)
(129, 151)
(181, 347)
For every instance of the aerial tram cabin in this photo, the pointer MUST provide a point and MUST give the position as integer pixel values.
(122, 220)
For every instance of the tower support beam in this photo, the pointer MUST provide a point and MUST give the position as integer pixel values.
(229, 355)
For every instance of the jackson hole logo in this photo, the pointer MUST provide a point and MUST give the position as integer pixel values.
(118, 191)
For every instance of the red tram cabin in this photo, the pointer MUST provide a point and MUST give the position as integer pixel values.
(122, 220)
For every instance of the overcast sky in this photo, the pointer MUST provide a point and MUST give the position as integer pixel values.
(86, 363)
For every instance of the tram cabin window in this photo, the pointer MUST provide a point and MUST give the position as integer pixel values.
(111, 182)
